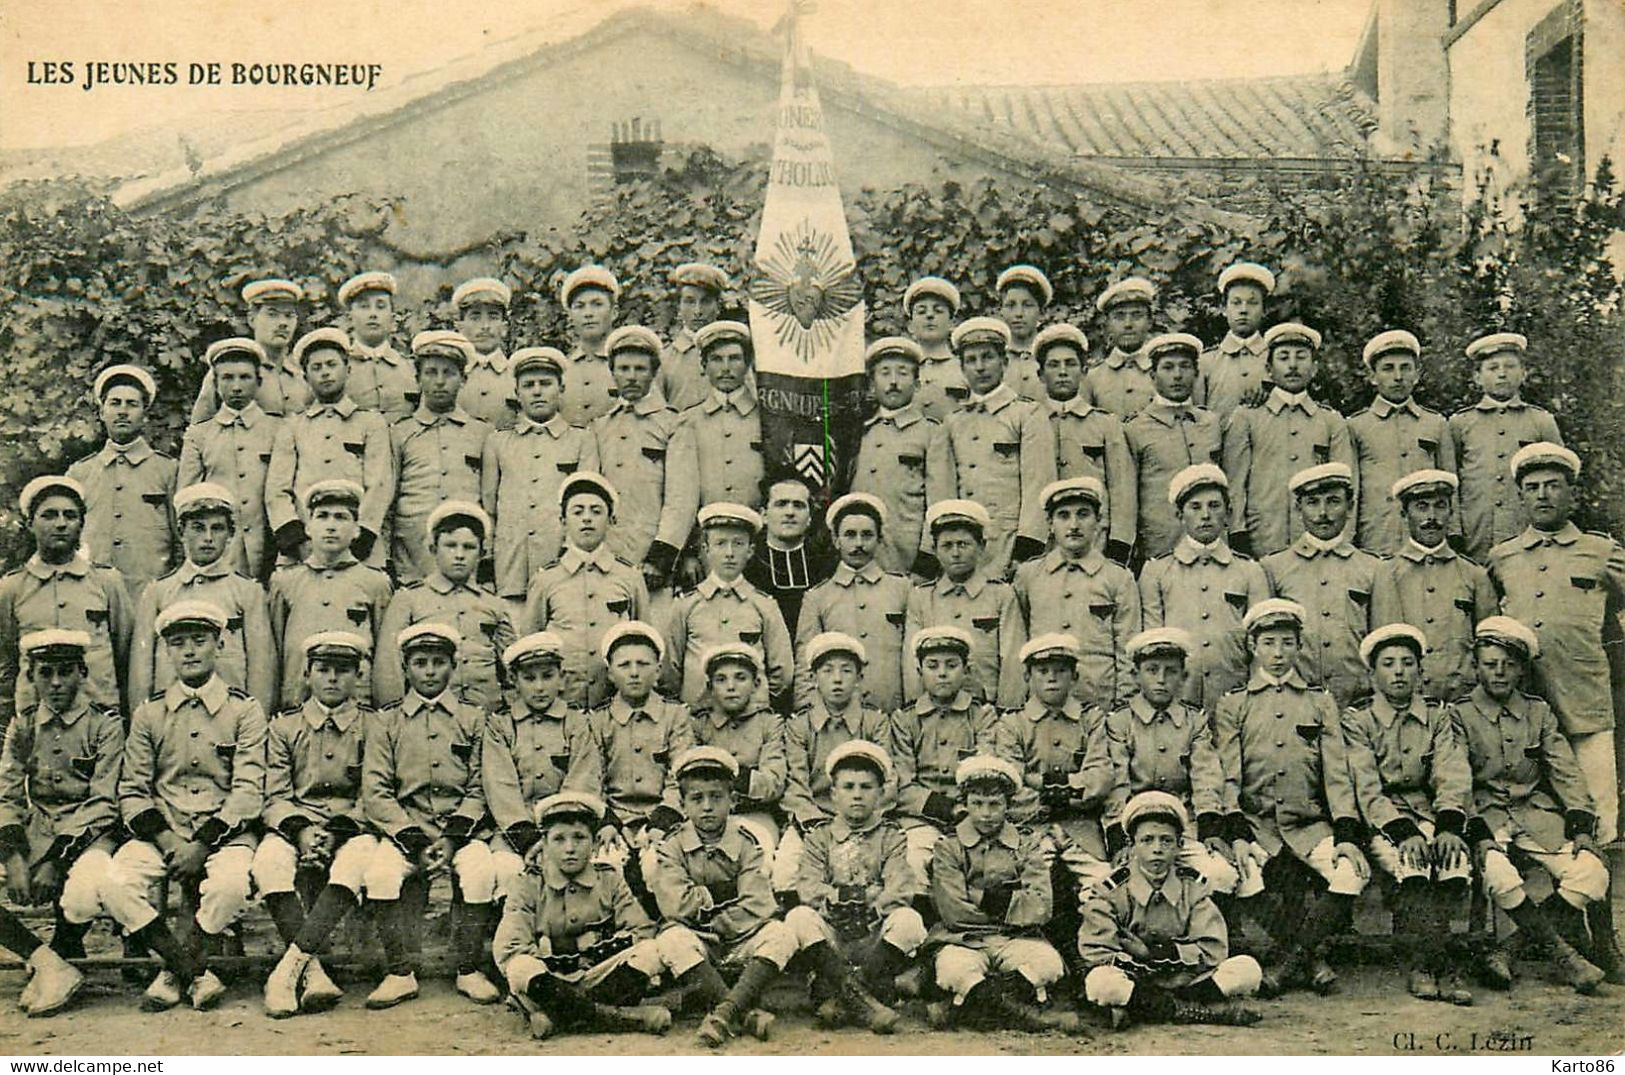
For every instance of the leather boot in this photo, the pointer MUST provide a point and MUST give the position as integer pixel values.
(701, 988)
(1582, 975)
(880, 970)
(287, 914)
(1017, 1002)
(726, 1019)
(866, 1009)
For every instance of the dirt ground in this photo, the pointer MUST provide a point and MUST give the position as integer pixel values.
(1371, 1015)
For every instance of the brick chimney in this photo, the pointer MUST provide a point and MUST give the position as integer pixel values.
(1412, 75)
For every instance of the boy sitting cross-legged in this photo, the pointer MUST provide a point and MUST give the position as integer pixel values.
(713, 891)
(574, 943)
(1155, 944)
(855, 885)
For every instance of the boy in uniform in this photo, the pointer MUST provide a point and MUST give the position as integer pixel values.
(1414, 787)
(855, 888)
(966, 596)
(732, 719)
(525, 468)
(380, 377)
(1203, 586)
(459, 533)
(990, 882)
(1089, 442)
(837, 714)
(332, 438)
(232, 449)
(192, 788)
(1121, 382)
(725, 607)
(127, 484)
(421, 788)
(713, 891)
(901, 452)
(930, 737)
(1155, 945)
(1073, 589)
(58, 814)
(534, 748)
(633, 443)
(273, 320)
(1169, 434)
(1267, 444)
(1488, 434)
(1157, 742)
(485, 392)
(699, 302)
(439, 450)
(1024, 294)
(1393, 437)
(1001, 449)
(719, 440)
(576, 948)
(1429, 585)
(1289, 800)
(861, 600)
(248, 658)
(1330, 578)
(930, 305)
(1231, 372)
(59, 586)
(588, 589)
(310, 864)
(327, 591)
(589, 296)
(1531, 807)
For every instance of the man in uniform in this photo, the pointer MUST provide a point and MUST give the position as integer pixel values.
(1230, 374)
(1001, 450)
(1331, 579)
(1486, 436)
(1393, 437)
(900, 452)
(380, 377)
(247, 659)
(699, 302)
(439, 450)
(332, 438)
(486, 391)
(1089, 442)
(930, 305)
(1121, 382)
(1428, 585)
(719, 440)
(589, 296)
(273, 321)
(232, 449)
(1169, 434)
(1024, 294)
(60, 586)
(128, 485)
(1569, 587)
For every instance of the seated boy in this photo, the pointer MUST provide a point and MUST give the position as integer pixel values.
(191, 789)
(309, 866)
(575, 945)
(990, 882)
(735, 720)
(1154, 941)
(930, 737)
(1289, 800)
(421, 788)
(533, 749)
(1158, 742)
(1531, 806)
(855, 886)
(1414, 787)
(58, 819)
(712, 886)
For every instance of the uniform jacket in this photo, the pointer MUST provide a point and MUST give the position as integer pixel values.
(129, 522)
(589, 390)
(965, 864)
(580, 597)
(721, 891)
(1164, 439)
(871, 606)
(1180, 912)
(899, 455)
(1408, 766)
(943, 389)
(523, 470)
(233, 449)
(438, 457)
(1334, 585)
(1092, 443)
(1093, 600)
(1390, 441)
(1443, 594)
(59, 780)
(809, 735)
(550, 914)
(1525, 778)
(1206, 591)
(928, 743)
(756, 740)
(1230, 374)
(716, 612)
(487, 392)
(637, 748)
(383, 380)
(313, 765)
(421, 767)
(309, 597)
(331, 441)
(1001, 454)
(77, 596)
(719, 442)
(1164, 750)
(989, 610)
(1065, 745)
(1267, 444)
(476, 613)
(1119, 383)
(1487, 435)
(527, 756)
(247, 659)
(875, 857)
(634, 444)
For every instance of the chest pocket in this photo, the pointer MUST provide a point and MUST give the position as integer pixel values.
(352, 775)
(1237, 601)
(1361, 598)
(1007, 450)
(475, 463)
(912, 462)
(96, 618)
(895, 618)
(1309, 733)
(1581, 582)
(568, 466)
(1095, 450)
(83, 767)
(620, 606)
(1464, 605)
(985, 623)
(958, 392)
(1322, 453)
(1428, 445)
(356, 448)
(157, 500)
(358, 615)
(560, 762)
(1103, 610)
(655, 455)
(226, 752)
(751, 638)
(234, 625)
(265, 457)
(463, 752)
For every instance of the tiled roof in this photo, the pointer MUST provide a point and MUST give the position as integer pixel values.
(1299, 117)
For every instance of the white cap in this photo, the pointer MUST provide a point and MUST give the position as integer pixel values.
(1422, 482)
(482, 289)
(632, 629)
(860, 502)
(331, 337)
(1321, 474)
(366, 281)
(979, 330)
(1508, 632)
(458, 509)
(125, 372)
(48, 483)
(1392, 632)
(1247, 272)
(1496, 342)
(1272, 611)
(1031, 276)
(726, 513)
(1541, 455)
(256, 292)
(1051, 335)
(588, 276)
(1133, 289)
(935, 286)
(1291, 332)
(1192, 478)
(828, 642)
(1388, 342)
(945, 512)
